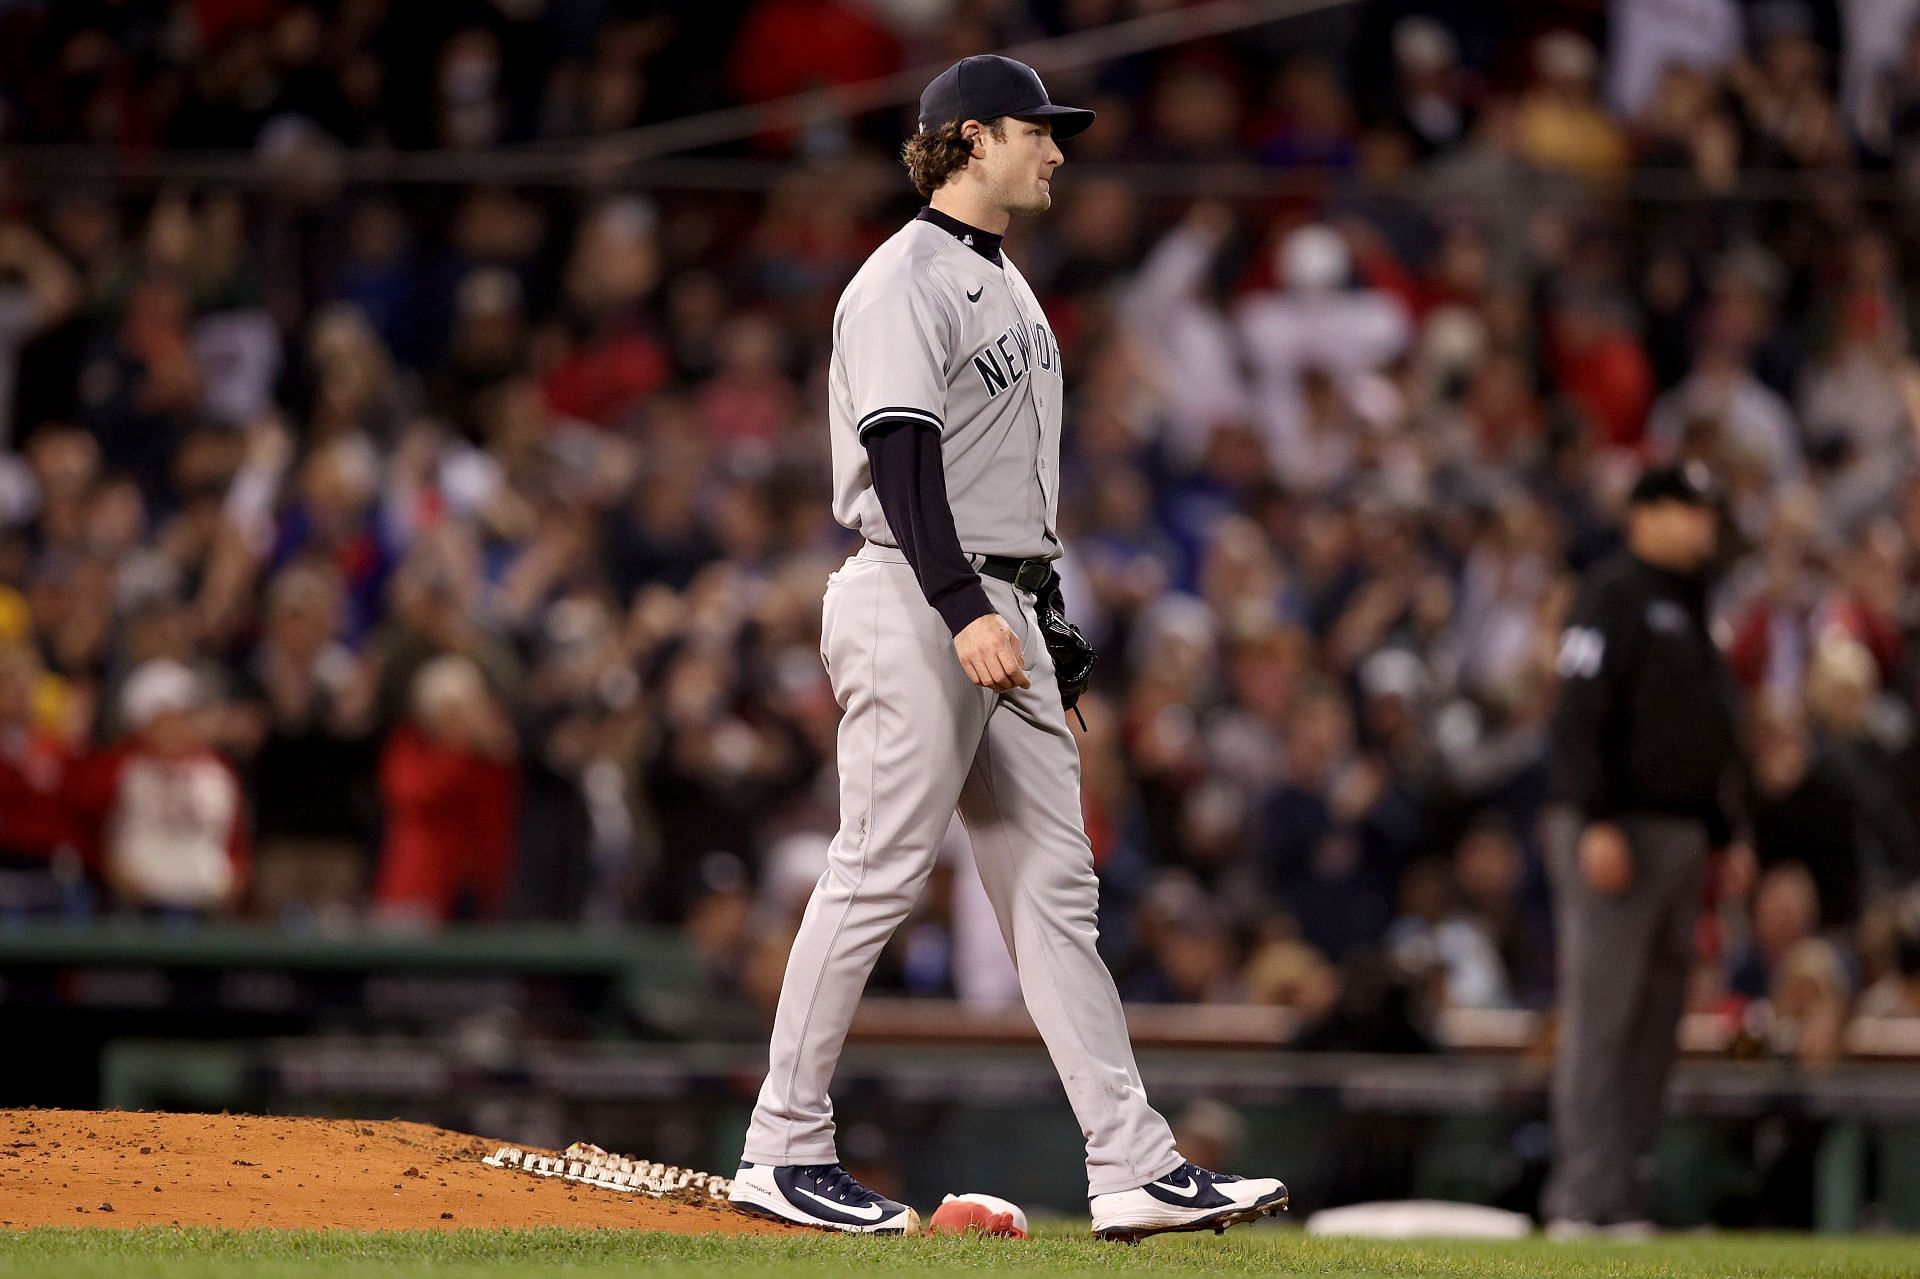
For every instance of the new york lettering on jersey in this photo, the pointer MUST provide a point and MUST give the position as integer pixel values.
(1005, 360)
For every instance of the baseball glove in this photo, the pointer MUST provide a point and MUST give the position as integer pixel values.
(1073, 657)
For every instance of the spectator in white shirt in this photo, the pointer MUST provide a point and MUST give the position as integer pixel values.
(1315, 320)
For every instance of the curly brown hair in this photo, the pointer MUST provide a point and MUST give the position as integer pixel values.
(933, 156)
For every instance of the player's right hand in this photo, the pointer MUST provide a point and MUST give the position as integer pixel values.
(989, 653)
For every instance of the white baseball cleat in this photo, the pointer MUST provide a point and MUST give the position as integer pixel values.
(821, 1195)
(1188, 1198)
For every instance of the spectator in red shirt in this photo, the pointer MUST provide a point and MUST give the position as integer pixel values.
(616, 360)
(750, 400)
(38, 871)
(452, 797)
(1600, 366)
(785, 46)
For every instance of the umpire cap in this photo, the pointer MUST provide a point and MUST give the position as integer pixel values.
(988, 86)
(1687, 482)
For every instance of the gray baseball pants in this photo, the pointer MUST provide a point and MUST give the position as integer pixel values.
(1624, 963)
(918, 739)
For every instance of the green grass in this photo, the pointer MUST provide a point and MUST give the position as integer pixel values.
(578, 1254)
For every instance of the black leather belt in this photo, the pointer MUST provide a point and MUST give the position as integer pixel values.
(1028, 575)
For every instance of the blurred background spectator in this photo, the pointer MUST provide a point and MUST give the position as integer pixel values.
(163, 810)
(456, 544)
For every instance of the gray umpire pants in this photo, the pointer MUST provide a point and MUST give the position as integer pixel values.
(918, 739)
(1623, 966)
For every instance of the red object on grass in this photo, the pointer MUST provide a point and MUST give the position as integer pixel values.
(963, 1216)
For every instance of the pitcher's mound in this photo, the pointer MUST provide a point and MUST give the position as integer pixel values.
(115, 1168)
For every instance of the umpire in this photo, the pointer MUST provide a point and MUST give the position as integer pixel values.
(1642, 762)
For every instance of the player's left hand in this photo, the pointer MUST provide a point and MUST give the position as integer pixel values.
(989, 653)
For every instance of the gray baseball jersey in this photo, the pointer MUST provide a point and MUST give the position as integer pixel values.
(930, 331)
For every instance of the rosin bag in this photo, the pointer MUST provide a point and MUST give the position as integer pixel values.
(975, 1213)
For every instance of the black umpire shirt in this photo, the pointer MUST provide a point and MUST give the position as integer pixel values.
(1646, 721)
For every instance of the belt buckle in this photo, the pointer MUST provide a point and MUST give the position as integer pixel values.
(1031, 575)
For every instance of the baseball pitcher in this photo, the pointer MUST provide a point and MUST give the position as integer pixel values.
(947, 648)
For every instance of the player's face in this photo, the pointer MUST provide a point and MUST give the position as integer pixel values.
(1680, 534)
(1019, 170)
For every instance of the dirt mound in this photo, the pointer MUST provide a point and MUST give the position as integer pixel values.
(115, 1168)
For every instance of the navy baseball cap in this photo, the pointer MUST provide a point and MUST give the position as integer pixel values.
(988, 86)
(1689, 483)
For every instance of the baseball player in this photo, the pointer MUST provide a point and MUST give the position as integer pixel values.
(945, 645)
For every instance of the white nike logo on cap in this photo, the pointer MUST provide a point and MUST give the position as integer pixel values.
(872, 1212)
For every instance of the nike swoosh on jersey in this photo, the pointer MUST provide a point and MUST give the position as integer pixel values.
(872, 1212)
(1189, 1191)
(975, 295)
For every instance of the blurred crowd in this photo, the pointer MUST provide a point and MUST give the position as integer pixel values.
(421, 552)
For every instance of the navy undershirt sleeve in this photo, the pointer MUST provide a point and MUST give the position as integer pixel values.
(904, 457)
